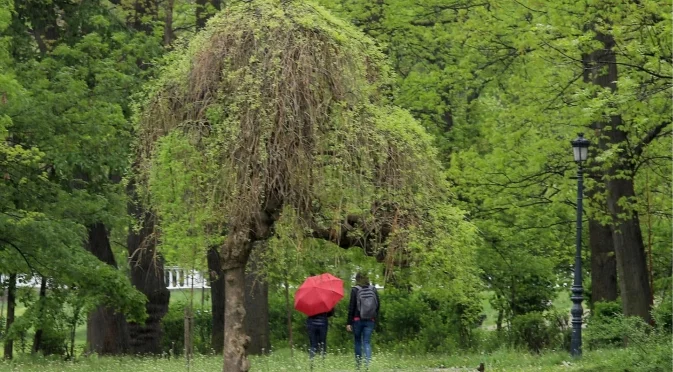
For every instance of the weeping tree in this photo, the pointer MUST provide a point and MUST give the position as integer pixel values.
(278, 111)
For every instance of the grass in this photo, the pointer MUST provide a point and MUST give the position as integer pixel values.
(183, 295)
(281, 361)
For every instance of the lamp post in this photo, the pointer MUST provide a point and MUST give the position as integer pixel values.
(580, 153)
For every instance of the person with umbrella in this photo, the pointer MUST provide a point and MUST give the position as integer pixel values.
(317, 297)
(317, 333)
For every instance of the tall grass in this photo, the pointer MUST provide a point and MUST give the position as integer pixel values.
(280, 360)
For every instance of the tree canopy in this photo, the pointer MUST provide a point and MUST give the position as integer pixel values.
(282, 105)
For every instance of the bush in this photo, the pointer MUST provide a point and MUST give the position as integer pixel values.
(173, 325)
(409, 322)
(54, 339)
(535, 331)
(663, 314)
(648, 348)
(604, 327)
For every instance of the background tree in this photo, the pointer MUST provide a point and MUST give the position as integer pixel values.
(503, 86)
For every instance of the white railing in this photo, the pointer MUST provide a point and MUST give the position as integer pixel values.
(179, 278)
(174, 277)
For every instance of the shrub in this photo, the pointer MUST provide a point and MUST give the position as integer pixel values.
(649, 348)
(173, 325)
(663, 314)
(54, 339)
(408, 322)
(535, 332)
(604, 327)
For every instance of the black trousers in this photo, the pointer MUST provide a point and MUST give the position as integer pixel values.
(317, 335)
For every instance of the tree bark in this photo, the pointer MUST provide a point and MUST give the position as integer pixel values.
(634, 283)
(256, 310)
(147, 275)
(601, 246)
(11, 307)
(603, 263)
(169, 35)
(216, 299)
(37, 340)
(107, 331)
(626, 234)
(235, 339)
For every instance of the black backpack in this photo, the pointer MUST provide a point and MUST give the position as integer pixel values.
(367, 302)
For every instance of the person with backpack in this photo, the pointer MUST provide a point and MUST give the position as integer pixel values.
(363, 310)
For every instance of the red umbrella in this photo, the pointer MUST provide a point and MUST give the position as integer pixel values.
(318, 294)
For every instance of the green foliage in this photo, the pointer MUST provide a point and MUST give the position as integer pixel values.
(67, 73)
(649, 348)
(279, 113)
(663, 314)
(537, 331)
(606, 319)
(173, 327)
(409, 323)
(501, 87)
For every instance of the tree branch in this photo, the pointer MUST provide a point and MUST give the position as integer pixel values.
(650, 136)
(353, 232)
(32, 269)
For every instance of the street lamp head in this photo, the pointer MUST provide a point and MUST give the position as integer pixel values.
(580, 148)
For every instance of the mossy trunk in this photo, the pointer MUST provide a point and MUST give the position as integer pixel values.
(235, 339)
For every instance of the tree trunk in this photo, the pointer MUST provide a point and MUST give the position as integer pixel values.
(256, 310)
(169, 36)
(107, 331)
(202, 13)
(188, 328)
(11, 307)
(145, 11)
(216, 299)
(626, 234)
(603, 263)
(235, 339)
(288, 308)
(634, 283)
(147, 275)
(37, 340)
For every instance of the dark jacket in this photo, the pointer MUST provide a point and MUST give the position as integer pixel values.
(353, 311)
(319, 319)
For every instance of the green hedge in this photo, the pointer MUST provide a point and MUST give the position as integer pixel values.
(412, 322)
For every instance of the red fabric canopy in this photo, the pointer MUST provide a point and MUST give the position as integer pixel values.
(319, 294)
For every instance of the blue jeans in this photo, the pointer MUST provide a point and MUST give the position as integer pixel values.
(362, 330)
(317, 335)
